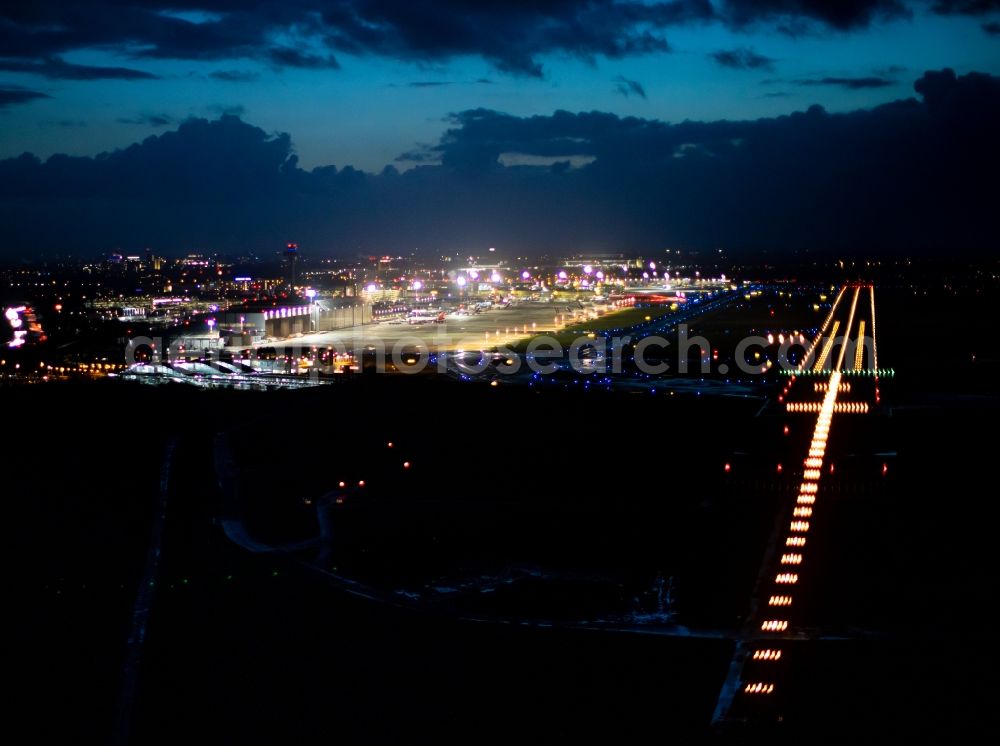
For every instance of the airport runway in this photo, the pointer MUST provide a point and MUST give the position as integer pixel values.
(473, 332)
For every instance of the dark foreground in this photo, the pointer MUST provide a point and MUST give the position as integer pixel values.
(245, 648)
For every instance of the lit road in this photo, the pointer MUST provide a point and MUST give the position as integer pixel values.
(839, 376)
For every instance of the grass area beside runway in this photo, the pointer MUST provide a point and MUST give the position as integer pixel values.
(623, 318)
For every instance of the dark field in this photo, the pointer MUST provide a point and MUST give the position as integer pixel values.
(605, 490)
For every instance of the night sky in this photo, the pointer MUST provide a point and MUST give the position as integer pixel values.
(588, 125)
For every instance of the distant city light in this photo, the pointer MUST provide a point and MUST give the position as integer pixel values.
(460, 281)
(562, 274)
(587, 269)
(495, 277)
(372, 287)
(417, 284)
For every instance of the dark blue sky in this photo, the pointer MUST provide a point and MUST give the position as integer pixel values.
(368, 83)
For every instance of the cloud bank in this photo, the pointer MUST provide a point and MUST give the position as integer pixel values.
(917, 174)
(510, 34)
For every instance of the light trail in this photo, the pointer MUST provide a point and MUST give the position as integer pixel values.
(878, 396)
(823, 386)
(859, 351)
(847, 334)
(767, 654)
(781, 570)
(833, 309)
(827, 347)
(874, 339)
(822, 329)
(847, 407)
(780, 597)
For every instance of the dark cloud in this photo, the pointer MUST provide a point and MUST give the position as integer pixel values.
(439, 83)
(288, 57)
(838, 14)
(150, 120)
(916, 174)
(13, 94)
(742, 59)
(510, 34)
(854, 84)
(235, 76)
(992, 28)
(58, 69)
(627, 87)
(965, 7)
